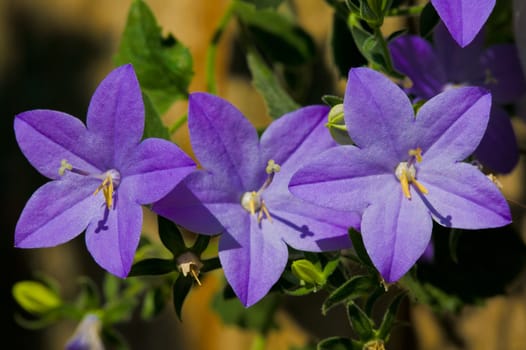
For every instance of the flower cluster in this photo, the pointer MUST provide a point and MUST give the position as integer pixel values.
(402, 171)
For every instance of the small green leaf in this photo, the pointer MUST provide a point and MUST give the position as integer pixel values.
(35, 297)
(354, 288)
(153, 124)
(360, 322)
(332, 100)
(211, 264)
(276, 98)
(389, 317)
(181, 288)
(335, 343)
(170, 236)
(345, 53)
(163, 65)
(359, 248)
(201, 243)
(153, 266)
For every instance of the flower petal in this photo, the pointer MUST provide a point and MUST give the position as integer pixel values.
(396, 232)
(415, 57)
(294, 138)
(184, 207)
(498, 149)
(505, 78)
(464, 18)
(378, 114)
(461, 196)
(310, 228)
(116, 113)
(343, 178)
(253, 261)
(57, 212)
(47, 137)
(155, 168)
(461, 64)
(451, 124)
(224, 141)
(113, 235)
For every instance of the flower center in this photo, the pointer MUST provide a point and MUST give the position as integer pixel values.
(110, 180)
(253, 202)
(405, 172)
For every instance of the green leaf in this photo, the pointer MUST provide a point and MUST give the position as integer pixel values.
(89, 296)
(276, 98)
(332, 100)
(111, 287)
(181, 289)
(359, 247)
(275, 35)
(35, 297)
(163, 65)
(211, 264)
(389, 317)
(428, 20)
(360, 322)
(171, 236)
(153, 266)
(153, 124)
(201, 243)
(354, 288)
(335, 343)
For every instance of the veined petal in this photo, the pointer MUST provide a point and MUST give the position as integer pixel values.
(116, 113)
(294, 138)
(498, 149)
(461, 64)
(224, 141)
(415, 57)
(344, 178)
(503, 73)
(113, 235)
(396, 233)
(378, 114)
(57, 212)
(463, 197)
(252, 261)
(47, 137)
(451, 125)
(464, 18)
(154, 169)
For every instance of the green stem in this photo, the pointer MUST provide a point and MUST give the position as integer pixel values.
(406, 11)
(178, 123)
(212, 50)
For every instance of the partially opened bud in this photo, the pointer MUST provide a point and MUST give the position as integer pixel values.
(87, 335)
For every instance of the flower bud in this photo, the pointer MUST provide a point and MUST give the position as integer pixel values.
(35, 297)
(336, 125)
(308, 273)
(87, 334)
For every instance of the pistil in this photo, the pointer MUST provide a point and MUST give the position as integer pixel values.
(110, 180)
(406, 173)
(252, 201)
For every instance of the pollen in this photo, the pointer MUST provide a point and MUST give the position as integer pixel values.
(405, 172)
(64, 166)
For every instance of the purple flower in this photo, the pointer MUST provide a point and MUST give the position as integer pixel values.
(87, 334)
(101, 173)
(405, 170)
(464, 18)
(244, 185)
(446, 65)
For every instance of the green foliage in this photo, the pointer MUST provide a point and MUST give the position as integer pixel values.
(153, 124)
(163, 65)
(275, 35)
(262, 4)
(354, 288)
(35, 297)
(428, 20)
(277, 100)
(258, 317)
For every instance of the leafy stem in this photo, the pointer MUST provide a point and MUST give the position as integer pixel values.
(406, 11)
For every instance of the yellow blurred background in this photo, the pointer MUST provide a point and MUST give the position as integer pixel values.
(53, 53)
